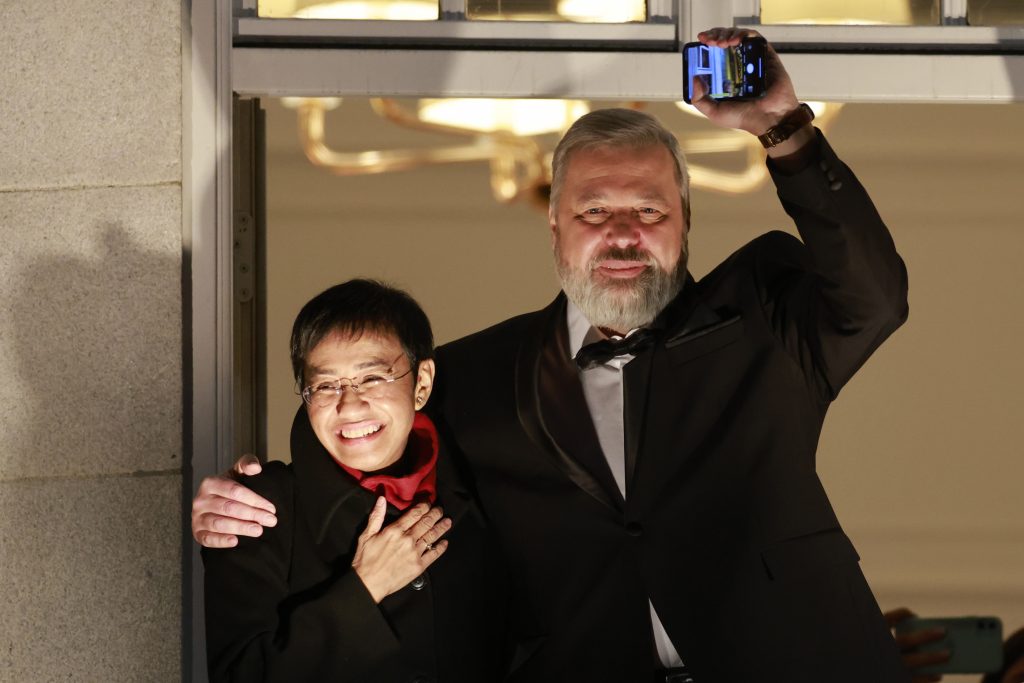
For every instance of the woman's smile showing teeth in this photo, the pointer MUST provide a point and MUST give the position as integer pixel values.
(358, 432)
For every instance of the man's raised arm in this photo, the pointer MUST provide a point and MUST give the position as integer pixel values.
(837, 297)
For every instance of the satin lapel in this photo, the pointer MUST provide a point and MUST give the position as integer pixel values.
(452, 493)
(553, 411)
(687, 316)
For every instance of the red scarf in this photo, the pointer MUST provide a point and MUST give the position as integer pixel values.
(419, 484)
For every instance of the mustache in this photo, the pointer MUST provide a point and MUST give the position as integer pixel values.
(620, 254)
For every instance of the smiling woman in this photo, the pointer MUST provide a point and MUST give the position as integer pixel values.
(349, 584)
(363, 422)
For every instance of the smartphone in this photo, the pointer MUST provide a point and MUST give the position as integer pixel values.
(975, 644)
(728, 73)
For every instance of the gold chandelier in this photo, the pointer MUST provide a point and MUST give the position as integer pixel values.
(514, 136)
(510, 136)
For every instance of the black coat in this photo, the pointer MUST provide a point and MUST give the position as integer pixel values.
(287, 606)
(726, 527)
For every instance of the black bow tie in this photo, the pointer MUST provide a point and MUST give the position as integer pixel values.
(603, 351)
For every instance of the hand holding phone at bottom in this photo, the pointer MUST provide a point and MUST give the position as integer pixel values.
(909, 641)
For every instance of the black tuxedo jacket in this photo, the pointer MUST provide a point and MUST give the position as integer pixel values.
(725, 526)
(287, 606)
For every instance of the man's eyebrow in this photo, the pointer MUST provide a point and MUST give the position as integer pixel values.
(590, 197)
(656, 197)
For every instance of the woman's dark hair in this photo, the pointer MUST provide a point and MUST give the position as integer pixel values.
(357, 307)
(1013, 650)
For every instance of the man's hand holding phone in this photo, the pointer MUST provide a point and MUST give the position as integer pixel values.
(757, 115)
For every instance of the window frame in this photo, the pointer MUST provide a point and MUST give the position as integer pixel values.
(228, 53)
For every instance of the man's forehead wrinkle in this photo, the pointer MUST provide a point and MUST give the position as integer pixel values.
(624, 177)
(634, 196)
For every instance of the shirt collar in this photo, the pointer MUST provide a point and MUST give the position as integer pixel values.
(581, 332)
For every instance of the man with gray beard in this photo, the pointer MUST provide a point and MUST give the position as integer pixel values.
(644, 446)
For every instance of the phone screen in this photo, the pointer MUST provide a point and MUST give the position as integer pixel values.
(727, 73)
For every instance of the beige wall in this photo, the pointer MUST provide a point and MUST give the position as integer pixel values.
(90, 340)
(921, 453)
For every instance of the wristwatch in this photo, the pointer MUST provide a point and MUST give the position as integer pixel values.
(794, 121)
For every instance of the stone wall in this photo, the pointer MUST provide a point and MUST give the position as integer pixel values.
(90, 340)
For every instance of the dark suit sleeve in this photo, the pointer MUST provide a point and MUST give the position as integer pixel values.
(257, 630)
(837, 297)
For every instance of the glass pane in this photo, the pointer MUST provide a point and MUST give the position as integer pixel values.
(589, 11)
(895, 12)
(409, 10)
(995, 12)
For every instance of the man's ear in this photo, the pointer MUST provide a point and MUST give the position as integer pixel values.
(554, 226)
(424, 383)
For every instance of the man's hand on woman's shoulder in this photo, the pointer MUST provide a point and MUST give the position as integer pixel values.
(223, 509)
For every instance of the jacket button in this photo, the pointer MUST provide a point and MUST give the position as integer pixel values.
(421, 679)
(418, 583)
(835, 185)
(634, 529)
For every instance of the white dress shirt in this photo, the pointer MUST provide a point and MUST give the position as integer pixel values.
(602, 388)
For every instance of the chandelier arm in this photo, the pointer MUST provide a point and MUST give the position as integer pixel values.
(391, 110)
(517, 169)
(311, 135)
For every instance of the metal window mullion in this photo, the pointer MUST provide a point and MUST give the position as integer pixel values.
(604, 76)
(452, 10)
(248, 305)
(211, 400)
(256, 32)
(662, 11)
(705, 14)
(901, 39)
(457, 73)
(954, 12)
(746, 12)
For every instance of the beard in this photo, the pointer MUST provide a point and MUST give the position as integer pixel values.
(621, 305)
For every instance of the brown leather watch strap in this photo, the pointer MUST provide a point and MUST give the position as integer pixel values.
(794, 121)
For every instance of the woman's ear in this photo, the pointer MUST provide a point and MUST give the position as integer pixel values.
(424, 383)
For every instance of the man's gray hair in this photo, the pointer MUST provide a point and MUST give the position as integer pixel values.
(625, 128)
